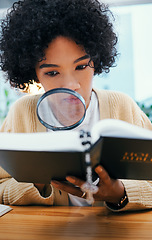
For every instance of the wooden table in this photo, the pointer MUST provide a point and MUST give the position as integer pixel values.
(70, 223)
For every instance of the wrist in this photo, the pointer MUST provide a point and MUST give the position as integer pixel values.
(121, 204)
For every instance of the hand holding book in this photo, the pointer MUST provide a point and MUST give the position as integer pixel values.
(109, 190)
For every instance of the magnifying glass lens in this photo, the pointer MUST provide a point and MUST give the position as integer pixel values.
(61, 109)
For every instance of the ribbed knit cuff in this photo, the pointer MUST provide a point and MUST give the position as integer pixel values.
(139, 195)
(24, 194)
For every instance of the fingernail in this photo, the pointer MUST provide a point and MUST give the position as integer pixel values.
(98, 169)
(55, 183)
(70, 179)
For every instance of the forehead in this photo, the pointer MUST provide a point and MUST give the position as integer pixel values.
(63, 47)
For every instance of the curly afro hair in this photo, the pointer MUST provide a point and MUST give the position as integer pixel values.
(31, 25)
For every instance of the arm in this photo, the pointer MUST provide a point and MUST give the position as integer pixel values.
(11, 191)
(111, 191)
(15, 193)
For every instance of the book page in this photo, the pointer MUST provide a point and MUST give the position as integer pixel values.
(47, 141)
(4, 209)
(70, 140)
(118, 128)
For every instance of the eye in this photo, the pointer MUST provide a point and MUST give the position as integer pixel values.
(81, 67)
(52, 73)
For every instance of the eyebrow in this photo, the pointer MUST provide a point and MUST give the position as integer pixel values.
(46, 65)
(82, 58)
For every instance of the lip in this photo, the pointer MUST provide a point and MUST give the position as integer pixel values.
(72, 100)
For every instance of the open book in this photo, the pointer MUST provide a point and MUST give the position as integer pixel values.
(124, 150)
(4, 209)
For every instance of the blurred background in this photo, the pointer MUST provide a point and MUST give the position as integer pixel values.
(133, 73)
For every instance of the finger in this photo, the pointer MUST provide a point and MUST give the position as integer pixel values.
(39, 186)
(76, 181)
(103, 175)
(67, 188)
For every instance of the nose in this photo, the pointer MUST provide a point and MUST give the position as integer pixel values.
(70, 82)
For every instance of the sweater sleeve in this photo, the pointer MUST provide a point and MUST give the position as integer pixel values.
(139, 195)
(16, 193)
(121, 106)
(139, 192)
(11, 191)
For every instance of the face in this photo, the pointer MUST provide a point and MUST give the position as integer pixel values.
(66, 66)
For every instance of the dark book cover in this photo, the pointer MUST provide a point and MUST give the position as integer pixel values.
(123, 158)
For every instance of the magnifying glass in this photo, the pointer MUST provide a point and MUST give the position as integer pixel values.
(61, 109)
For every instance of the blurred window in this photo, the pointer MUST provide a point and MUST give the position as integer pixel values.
(133, 73)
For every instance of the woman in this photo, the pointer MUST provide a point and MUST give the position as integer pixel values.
(64, 44)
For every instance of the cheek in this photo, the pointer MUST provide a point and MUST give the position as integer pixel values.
(47, 85)
(87, 86)
(88, 78)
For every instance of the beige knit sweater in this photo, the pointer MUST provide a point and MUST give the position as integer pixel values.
(22, 118)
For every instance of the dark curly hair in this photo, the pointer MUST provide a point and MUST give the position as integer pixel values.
(30, 25)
